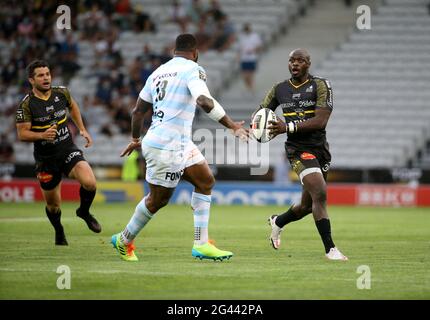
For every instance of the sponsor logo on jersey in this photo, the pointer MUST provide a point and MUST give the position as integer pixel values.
(202, 75)
(50, 109)
(19, 115)
(307, 156)
(287, 105)
(306, 103)
(326, 167)
(296, 96)
(60, 113)
(56, 99)
(44, 177)
(165, 75)
(310, 89)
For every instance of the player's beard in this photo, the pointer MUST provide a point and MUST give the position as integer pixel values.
(42, 89)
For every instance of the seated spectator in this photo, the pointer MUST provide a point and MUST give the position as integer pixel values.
(215, 11)
(177, 14)
(104, 90)
(203, 37)
(122, 119)
(196, 11)
(143, 22)
(166, 55)
(7, 158)
(224, 35)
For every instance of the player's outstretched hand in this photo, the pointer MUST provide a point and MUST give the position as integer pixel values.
(50, 134)
(133, 145)
(240, 132)
(277, 127)
(87, 137)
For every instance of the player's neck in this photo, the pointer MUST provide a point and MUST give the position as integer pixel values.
(44, 95)
(298, 81)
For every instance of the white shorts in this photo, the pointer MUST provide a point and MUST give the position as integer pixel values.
(165, 167)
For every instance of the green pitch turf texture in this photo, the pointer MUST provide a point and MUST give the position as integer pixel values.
(393, 242)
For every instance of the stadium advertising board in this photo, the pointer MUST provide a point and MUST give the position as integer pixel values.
(29, 191)
(226, 193)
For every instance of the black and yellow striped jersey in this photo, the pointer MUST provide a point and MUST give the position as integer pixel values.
(44, 113)
(298, 103)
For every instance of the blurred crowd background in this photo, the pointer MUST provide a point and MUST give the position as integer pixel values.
(380, 76)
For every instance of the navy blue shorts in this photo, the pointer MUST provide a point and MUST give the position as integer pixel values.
(248, 66)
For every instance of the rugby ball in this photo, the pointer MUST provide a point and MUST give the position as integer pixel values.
(260, 122)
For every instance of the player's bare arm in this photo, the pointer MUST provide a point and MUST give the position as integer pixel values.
(75, 114)
(137, 116)
(207, 105)
(25, 133)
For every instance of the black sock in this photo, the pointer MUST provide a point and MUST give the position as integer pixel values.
(55, 219)
(87, 198)
(324, 229)
(286, 218)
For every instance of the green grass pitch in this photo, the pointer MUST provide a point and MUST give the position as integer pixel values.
(393, 242)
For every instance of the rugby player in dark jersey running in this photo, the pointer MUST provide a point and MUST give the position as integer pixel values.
(41, 118)
(307, 103)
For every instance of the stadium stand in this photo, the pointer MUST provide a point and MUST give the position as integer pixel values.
(374, 74)
(381, 91)
(114, 53)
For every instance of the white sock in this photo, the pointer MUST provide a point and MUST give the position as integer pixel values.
(201, 204)
(139, 219)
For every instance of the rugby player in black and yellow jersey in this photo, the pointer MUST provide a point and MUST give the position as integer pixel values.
(41, 118)
(306, 102)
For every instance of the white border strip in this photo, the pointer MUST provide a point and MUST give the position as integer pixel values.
(308, 171)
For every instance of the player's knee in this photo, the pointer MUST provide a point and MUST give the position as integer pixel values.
(320, 196)
(89, 184)
(209, 183)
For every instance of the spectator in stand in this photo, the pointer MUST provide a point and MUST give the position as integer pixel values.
(215, 11)
(203, 37)
(196, 11)
(250, 45)
(143, 22)
(7, 158)
(104, 90)
(122, 119)
(224, 35)
(178, 14)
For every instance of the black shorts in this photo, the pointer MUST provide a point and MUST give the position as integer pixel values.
(49, 171)
(305, 160)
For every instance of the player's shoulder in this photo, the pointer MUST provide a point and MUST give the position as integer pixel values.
(319, 79)
(62, 89)
(280, 84)
(24, 101)
(193, 68)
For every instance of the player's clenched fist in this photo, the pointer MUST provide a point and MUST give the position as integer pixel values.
(50, 134)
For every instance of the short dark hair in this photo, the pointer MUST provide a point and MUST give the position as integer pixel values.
(36, 64)
(185, 42)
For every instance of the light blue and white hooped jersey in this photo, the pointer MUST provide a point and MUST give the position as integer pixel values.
(168, 89)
